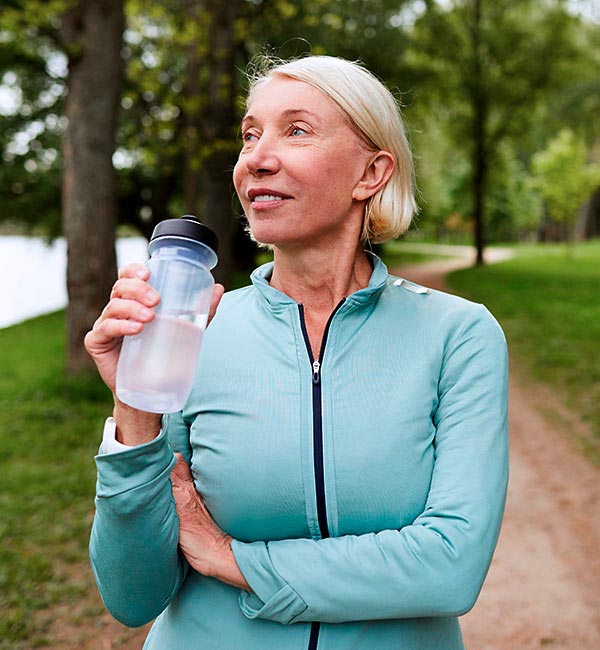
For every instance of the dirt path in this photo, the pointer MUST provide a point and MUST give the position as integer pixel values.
(543, 588)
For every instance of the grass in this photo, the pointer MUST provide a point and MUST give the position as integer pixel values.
(549, 307)
(395, 254)
(49, 432)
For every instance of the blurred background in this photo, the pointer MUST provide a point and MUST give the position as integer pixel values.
(117, 114)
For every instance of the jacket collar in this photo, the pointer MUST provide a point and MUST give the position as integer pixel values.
(278, 300)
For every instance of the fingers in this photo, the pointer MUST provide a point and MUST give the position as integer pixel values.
(135, 289)
(134, 270)
(118, 308)
(181, 472)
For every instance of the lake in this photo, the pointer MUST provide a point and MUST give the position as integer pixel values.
(32, 274)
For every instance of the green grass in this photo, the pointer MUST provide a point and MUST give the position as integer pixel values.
(549, 307)
(395, 254)
(49, 432)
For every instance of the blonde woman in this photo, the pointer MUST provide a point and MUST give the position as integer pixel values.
(341, 462)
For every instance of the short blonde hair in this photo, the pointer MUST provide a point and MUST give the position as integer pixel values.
(374, 114)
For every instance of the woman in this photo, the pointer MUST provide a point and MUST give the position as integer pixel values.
(346, 433)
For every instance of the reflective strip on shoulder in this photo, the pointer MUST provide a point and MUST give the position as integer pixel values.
(411, 286)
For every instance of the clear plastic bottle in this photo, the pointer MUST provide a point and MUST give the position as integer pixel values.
(156, 367)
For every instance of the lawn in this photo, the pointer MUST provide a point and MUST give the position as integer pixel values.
(549, 307)
(49, 431)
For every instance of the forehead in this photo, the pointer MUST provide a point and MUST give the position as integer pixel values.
(280, 95)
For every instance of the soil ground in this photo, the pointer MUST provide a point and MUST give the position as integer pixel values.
(543, 588)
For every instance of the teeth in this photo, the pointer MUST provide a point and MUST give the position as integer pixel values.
(268, 197)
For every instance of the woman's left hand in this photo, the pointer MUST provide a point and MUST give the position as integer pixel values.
(206, 547)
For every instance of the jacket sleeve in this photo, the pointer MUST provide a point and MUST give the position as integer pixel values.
(436, 565)
(134, 541)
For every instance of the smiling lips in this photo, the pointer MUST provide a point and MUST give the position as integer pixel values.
(263, 198)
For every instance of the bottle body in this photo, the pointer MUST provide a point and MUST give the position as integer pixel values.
(157, 366)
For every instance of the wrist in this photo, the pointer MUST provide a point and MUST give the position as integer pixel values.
(135, 427)
(223, 565)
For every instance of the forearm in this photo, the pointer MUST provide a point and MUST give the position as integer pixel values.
(419, 571)
(133, 546)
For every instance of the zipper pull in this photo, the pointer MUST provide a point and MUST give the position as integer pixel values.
(316, 377)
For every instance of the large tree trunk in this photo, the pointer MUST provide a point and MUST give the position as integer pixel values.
(91, 33)
(218, 131)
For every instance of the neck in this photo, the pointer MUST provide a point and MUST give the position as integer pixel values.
(320, 279)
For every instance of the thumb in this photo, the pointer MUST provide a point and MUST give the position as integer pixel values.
(218, 291)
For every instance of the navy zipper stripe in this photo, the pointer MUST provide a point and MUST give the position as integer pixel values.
(318, 442)
(313, 641)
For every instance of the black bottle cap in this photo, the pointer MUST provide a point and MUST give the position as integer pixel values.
(188, 227)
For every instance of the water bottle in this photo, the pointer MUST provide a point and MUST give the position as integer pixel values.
(156, 367)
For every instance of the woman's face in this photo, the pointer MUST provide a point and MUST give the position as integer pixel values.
(299, 166)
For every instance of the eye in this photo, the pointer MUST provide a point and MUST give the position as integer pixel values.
(295, 129)
(249, 136)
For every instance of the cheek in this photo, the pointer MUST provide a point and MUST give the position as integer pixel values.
(238, 179)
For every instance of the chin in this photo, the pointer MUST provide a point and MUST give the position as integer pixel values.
(267, 236)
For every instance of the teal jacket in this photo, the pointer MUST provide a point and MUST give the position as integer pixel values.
(364, 489)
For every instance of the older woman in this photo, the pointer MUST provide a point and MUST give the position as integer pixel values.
(346, 433)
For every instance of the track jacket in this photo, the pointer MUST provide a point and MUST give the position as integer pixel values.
(364, 489)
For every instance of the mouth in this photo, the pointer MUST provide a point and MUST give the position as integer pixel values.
(262, 197)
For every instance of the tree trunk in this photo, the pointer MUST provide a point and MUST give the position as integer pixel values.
(588, 222)
(479, 162)
(218, 131)
(192, 116)
(91, 33)
(480, 169)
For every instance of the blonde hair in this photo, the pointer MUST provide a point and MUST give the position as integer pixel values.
(374, 114)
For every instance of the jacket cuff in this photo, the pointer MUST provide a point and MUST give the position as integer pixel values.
(133, 467)
(272, 598)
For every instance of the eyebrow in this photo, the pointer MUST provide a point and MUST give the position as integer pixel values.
(289, 112)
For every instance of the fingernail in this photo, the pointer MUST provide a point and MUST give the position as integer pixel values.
(151, 296)
(145, 313)
(141, 273)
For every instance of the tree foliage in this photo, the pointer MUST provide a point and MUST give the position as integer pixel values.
(564, 177)
(525, 70)
(487, 69)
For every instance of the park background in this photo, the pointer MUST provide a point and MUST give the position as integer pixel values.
(116, 114)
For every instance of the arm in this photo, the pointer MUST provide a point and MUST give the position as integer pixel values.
(133, 545)
(434, 567)
(134, 541)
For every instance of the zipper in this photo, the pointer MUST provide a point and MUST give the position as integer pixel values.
(317, 405)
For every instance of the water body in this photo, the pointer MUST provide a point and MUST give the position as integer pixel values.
(33, 274)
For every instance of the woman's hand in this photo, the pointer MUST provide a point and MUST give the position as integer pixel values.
(206, 547)
(130, 307)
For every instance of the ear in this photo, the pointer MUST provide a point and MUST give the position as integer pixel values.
(376, 175)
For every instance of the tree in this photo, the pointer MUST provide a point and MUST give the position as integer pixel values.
(91, 34)
(565, 178)
(491, 64)
(32, 71)
(218, 128)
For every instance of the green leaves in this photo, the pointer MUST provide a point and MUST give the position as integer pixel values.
(564, 177)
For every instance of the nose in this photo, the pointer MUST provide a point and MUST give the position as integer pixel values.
(263, 157)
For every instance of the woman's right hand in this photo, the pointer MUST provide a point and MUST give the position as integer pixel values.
(130, 307)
